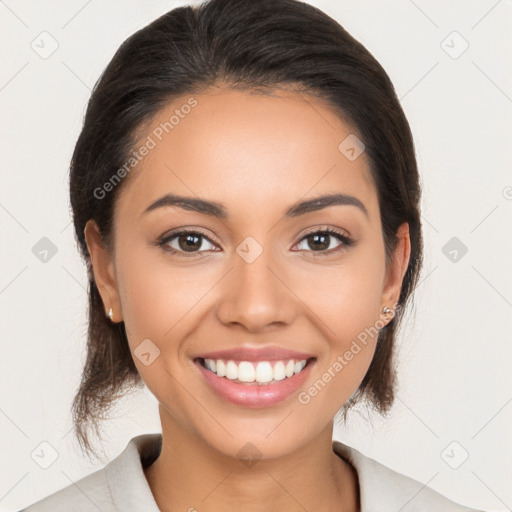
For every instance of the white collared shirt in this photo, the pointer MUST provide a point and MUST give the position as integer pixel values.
(121, 485)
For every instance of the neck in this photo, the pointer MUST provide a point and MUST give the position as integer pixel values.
(191, 475)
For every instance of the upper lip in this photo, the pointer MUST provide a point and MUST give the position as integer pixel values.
(271, 353)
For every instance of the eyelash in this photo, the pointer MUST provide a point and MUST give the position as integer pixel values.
(345, 240)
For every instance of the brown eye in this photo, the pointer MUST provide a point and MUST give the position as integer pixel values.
(325, 241)
(185, 243)
(319, 242)
(189, 242)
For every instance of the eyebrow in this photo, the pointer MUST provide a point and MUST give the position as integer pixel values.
(218, 210)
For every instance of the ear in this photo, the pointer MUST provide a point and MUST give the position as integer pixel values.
(396, 268)
(103, 270)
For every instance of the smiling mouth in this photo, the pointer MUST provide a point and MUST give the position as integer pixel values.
(255, 372)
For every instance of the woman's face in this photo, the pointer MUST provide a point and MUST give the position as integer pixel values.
(258, 277)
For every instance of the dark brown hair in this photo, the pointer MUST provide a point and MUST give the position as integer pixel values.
(256, 46)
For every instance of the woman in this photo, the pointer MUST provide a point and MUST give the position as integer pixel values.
(246, 197)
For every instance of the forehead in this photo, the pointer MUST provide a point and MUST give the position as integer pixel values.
(243, 148)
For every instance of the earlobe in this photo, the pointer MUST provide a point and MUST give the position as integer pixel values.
(103, 270)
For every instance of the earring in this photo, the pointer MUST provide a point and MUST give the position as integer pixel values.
(386, 310)
(110, 314)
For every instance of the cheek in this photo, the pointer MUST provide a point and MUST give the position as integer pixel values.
(345, 301)
(158, 298)
(345, 296)
(147, 300)
(161, 302)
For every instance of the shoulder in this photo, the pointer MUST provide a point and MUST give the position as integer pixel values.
(383, 489)
(88, 494)
(120, 486)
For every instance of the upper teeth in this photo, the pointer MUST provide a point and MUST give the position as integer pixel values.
(261, 371)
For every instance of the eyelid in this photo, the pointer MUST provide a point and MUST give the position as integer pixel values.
(322, 228)
(185, 230)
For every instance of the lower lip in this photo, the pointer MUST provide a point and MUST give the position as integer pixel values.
(253, 394)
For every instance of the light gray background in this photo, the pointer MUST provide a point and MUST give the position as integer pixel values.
(455, 359)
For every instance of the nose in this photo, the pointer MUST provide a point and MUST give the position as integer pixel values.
(256, 295)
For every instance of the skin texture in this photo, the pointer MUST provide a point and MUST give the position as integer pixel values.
(258, 155)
